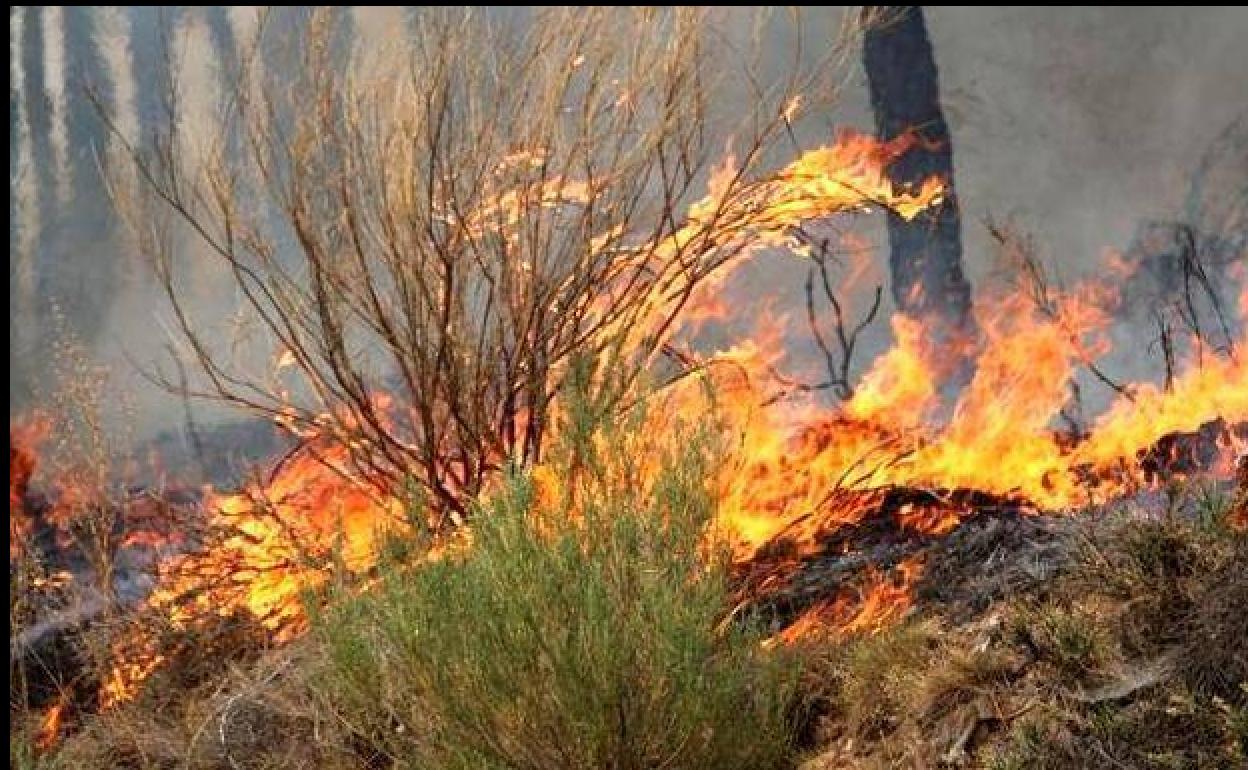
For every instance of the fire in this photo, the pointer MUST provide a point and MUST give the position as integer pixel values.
(24, 439)
(885, 599)
(798, 469)
(899, 381)
(51, 724)
(266, 549)
(849, 175)
(133, 664)
(284, 538)
(1216, 388)
(999, 438)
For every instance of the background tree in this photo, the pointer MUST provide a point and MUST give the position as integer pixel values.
(925, 256)
(82, 274)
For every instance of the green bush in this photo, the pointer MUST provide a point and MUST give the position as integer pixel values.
(596, 639)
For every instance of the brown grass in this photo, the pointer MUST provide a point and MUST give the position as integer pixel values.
(1129, 658)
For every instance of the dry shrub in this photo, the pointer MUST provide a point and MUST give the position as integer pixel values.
(451, 224)
(1237, 517)
(1130, 656)
(67, 504)
(1177, 582)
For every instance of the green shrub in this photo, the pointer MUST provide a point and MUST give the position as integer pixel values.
(595, 640)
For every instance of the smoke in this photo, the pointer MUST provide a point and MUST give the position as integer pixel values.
(1082, 124)
(1079, 126)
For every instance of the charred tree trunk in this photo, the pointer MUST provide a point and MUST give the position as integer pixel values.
(926, 252)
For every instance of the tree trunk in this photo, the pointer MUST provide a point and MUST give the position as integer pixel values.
(926, 252)
(38, 118)
(83, 274)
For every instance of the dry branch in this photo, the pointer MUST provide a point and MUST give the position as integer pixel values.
(424, 248)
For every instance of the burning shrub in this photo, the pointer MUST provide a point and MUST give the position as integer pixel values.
(450, 227)
(584, 628)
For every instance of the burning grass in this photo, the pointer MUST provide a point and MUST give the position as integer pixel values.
(520, 569)
(587, 624)
(590, 605)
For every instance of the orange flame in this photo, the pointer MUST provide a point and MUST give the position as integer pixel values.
(882, 602)
(799, 470)
(999, 439)
(50, 725)
(24, 438)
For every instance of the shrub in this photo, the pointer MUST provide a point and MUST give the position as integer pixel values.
(583, 628)
(453, 221)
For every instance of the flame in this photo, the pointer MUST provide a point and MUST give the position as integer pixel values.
(887, 599)
(733, 223)
(132, 664)
(284, 539)
(270, 545)
(798, 469)
(900, 385)
(884, 600)
(1218, 387)
(51, 724)
(1000, 437)
(25, 436)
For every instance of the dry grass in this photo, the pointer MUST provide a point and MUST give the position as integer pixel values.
(262, 714)
(1133, 657)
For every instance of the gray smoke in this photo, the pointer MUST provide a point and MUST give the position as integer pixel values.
(1078, 125)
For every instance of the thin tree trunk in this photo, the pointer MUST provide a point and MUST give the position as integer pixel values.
(151, 37)
(39, 206)
(38, 119)
(85, 274)
(228, 70)
(224, 44)
(21, 267)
